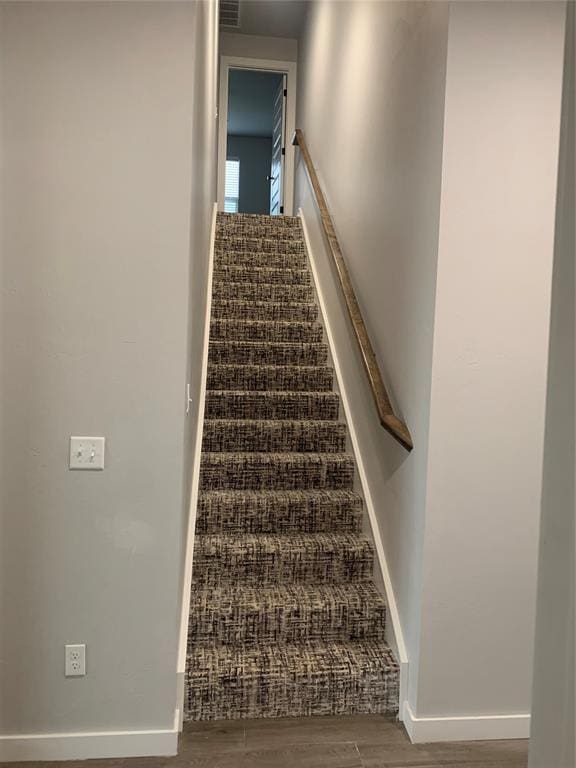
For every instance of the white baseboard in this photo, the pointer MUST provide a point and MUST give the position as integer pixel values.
(85, 746)
(194, 489)
(469, 728)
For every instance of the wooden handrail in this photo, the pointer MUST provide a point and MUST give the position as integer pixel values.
(395, 426)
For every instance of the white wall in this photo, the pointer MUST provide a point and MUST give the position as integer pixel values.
(203, 174)
(553, 717)
(98, 121)
(258, 46)
(435, 134)
(500, 158)
(371, 103)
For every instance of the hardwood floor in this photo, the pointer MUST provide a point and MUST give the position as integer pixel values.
(319, 742)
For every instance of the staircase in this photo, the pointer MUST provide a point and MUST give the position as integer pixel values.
(285, 619)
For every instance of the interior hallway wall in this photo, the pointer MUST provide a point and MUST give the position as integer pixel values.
(553, 715)
(500, 163)
(376, 142)
(97, 112)
(258, 46)
(440, 175)
(255, 155)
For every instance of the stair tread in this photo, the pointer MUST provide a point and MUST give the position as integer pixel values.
(260, 559)
(276, 292)
(287, 541)
(271, 404)
(304, 495)
(271, 378)
(313, 678)
(275, 331)
(279, 512)
(259, 274)
(274, 435)
(286, 613)
(235, 595)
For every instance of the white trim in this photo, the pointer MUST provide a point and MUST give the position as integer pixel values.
(469, 728)
(187, 578)
(398, 637)
(88, 745)
(264, 65)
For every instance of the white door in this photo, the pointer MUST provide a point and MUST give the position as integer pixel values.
(276, 177)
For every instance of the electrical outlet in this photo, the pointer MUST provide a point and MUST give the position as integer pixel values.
(75, 660)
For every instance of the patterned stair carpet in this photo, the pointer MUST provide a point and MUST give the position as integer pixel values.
(285, 619)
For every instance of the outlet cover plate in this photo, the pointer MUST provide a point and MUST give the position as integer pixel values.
(75, 660)
(87, 452)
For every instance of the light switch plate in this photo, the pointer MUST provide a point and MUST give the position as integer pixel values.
(87, 452)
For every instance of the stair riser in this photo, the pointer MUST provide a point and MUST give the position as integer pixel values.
(273, 244)
(264, 310)
(277, 333)
(275, 378)
(255, 259)
(274, 437)
(254, 353)
(265, 230)
(269, 683)
(250, 221)
(248, 291)
(224, 513)
(261, 472)
(319, 406)
(218, 565)
(229, 622)
(263, 275)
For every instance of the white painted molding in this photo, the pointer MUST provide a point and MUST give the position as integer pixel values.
(88, 745)
(264, 65)
(187, 577)
(400, 646)
(469, 728)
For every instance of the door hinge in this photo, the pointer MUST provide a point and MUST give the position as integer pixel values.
(281, 209)
(285, 92)
(283, 150)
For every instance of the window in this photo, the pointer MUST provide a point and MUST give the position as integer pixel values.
(232, 186)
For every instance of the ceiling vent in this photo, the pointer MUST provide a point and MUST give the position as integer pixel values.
(230, 14)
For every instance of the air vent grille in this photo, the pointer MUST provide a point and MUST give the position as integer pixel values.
(230, 13)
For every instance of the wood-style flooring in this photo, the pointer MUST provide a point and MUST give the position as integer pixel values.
(318, 742)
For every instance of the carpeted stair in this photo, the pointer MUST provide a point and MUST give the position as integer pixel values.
(284, 617)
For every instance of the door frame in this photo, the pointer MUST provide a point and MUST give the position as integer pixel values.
(262, 65)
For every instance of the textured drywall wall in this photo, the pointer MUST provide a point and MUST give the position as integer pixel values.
(457, 312)
(255, 155)
(553, 717)
(376, 142)
(258, 46)
(500, 160)
(97, 107)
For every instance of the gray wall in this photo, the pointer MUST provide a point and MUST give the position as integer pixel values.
(553, 716)
(258, 46)
(440, 175)
(97, 127)
(499, 170)
(385, 205)
(255, 154)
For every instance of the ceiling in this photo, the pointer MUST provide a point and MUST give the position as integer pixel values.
(277, 18)
(250, 102)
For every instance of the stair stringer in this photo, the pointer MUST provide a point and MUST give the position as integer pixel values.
(194, 487)
(394, 634)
